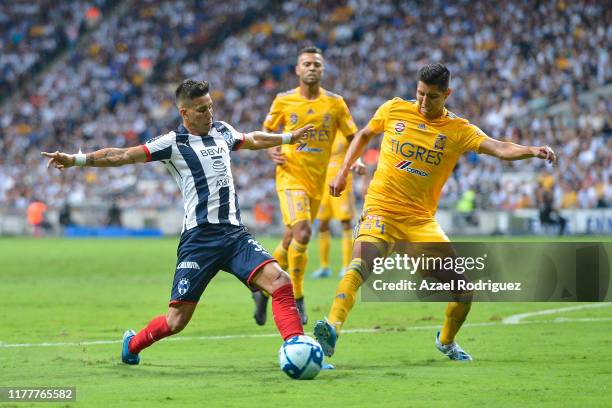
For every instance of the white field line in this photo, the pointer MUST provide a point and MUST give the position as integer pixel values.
(517, 318)
(266, 335)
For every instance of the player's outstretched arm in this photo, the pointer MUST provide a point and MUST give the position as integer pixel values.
(108, 157)
(354, 152)
(263, 140)
(512, 151)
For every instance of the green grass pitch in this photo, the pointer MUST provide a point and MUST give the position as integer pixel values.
(72, 293)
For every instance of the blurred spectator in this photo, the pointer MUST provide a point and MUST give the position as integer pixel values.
(37, 218)
(264, 214)
(465, 207)
(65, 216)
(549, 215)
(113, 218)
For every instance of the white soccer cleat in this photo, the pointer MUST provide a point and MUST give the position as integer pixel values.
(452, 351)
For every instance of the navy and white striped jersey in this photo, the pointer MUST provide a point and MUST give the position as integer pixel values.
(201, 168)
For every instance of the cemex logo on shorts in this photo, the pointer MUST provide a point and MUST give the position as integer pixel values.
(188, 265)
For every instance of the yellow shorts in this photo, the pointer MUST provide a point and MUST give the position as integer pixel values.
(297, 205)
(377, 225)
(339, 208)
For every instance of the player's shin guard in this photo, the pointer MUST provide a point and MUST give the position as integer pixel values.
(346, 294)
(280, 254)
(285, 312)
(347, 247)
(156, 330)
(297, 264)
(456, 313)
(324, 242)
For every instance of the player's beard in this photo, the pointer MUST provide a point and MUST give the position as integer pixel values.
(311, 80)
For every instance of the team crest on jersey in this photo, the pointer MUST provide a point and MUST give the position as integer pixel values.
(440, 142)
(293, 118)
(399, 127)
(326, 121)
(183, 286)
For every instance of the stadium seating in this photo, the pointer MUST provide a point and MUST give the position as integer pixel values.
(510, 63)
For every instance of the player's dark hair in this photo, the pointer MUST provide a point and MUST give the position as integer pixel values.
(191, 89)
(435, 74)
(310, 49)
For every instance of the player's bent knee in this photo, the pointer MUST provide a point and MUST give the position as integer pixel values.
(271, 278)
(281, 280)
(302, 232)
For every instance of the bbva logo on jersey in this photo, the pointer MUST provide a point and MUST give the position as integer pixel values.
(212, 151)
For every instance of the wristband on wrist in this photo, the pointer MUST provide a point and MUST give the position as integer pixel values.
(80, 159)
(286, 138)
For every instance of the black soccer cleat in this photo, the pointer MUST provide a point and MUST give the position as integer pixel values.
(261, 308)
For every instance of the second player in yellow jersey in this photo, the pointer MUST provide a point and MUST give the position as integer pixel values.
(300, 171)
(417, 157)
(306, 164)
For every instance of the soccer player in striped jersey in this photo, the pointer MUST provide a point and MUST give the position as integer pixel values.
(421, 144)
(300, 170)
(197, 155)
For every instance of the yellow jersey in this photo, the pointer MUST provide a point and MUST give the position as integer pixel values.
(416, 157)
(307, 161)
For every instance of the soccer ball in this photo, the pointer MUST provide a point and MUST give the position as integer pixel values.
(300, 357)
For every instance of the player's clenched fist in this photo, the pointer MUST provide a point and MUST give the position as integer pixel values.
(337, 185)
(545, 153)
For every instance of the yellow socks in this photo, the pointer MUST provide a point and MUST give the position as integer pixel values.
(280, 254)
(324, 241)
(297, 264)
(347, 247)
(346, 294)
(455, 316)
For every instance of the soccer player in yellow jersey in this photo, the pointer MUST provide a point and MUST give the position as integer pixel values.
(339, 208)
(300, 171)
(421, 144)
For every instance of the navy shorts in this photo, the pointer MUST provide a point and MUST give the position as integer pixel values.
(204, 250)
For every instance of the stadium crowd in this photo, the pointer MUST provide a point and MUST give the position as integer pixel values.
(509, 62)
(32, 33)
